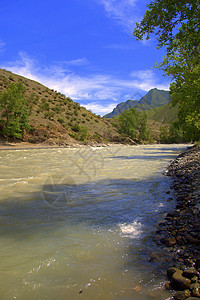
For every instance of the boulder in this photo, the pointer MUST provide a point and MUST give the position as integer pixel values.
(180, 282)
(190, 273)
(195, 289)
(182, 295)
(170, 242)
(172, 270)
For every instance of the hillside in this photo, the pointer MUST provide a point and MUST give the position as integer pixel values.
(165, 114)
(56, 120)
(154, 98)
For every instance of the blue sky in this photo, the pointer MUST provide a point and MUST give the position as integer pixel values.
(84, 49)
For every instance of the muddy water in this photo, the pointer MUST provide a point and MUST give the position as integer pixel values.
(77, 223)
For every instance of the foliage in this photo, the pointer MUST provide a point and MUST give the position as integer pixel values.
(14, 110)
(82, 132)
(171, 134)
(133, 123)
(177, 27)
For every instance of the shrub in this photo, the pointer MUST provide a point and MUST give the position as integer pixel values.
(76, 128)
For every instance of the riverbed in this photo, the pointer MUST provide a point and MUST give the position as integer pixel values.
(78, 223)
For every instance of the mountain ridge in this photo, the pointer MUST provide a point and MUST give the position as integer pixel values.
(154, 98)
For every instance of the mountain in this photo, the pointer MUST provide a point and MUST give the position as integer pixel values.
(154, 98)
(55, 119)
(165, 114)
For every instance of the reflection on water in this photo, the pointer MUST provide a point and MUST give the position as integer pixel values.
(78, 222)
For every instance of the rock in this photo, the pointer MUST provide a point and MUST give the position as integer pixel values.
(190, 273)
(138, 288)
(194, 279)
(180, 282)
(168, 285)
(189, 262)
(195, 289)
(170, 242)
(192, 240)
(158, 256)
(182, 295)
(171, 271)
(197, 263)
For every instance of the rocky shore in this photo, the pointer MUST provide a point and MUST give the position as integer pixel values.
(179, 233)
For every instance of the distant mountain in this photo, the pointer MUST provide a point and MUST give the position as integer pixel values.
(154, 98)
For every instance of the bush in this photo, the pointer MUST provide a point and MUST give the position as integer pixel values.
(76, 128)
(60, 120)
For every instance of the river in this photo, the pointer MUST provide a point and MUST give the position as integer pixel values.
(78, 223)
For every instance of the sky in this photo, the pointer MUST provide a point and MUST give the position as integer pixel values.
(84, 49)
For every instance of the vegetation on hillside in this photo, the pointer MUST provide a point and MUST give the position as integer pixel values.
(165, 114)
(38, 114)
(14, 111)
(177, 27)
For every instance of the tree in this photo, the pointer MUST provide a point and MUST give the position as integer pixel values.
(177, 27)
(14, 111)
(133, 123)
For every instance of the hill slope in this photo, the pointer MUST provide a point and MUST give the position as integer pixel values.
(165, 114)
(154, 98)
(56, 119)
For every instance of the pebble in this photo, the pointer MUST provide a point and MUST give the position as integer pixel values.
(180, 231)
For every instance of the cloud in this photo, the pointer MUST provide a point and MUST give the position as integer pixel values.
(147, 79)
(99, 109)
(98, 92)
(76, 62)
(124, 12)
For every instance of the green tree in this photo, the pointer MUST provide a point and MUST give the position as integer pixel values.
(171, 134)
(177, 27)
(133, 123)
(14, 111)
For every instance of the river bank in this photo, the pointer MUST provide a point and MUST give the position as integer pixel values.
(179, 233)
(20, 145)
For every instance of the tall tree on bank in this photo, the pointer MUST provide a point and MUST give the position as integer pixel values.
(14, 111)
(176, 23)
(133, 123)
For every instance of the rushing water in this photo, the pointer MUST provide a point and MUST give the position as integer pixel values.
(77, 223)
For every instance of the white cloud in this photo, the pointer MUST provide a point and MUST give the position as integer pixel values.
(147, 79)
(124, 12)
(75, 62)
(99, 109)
(98, 92)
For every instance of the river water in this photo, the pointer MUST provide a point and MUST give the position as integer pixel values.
(77, 223)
